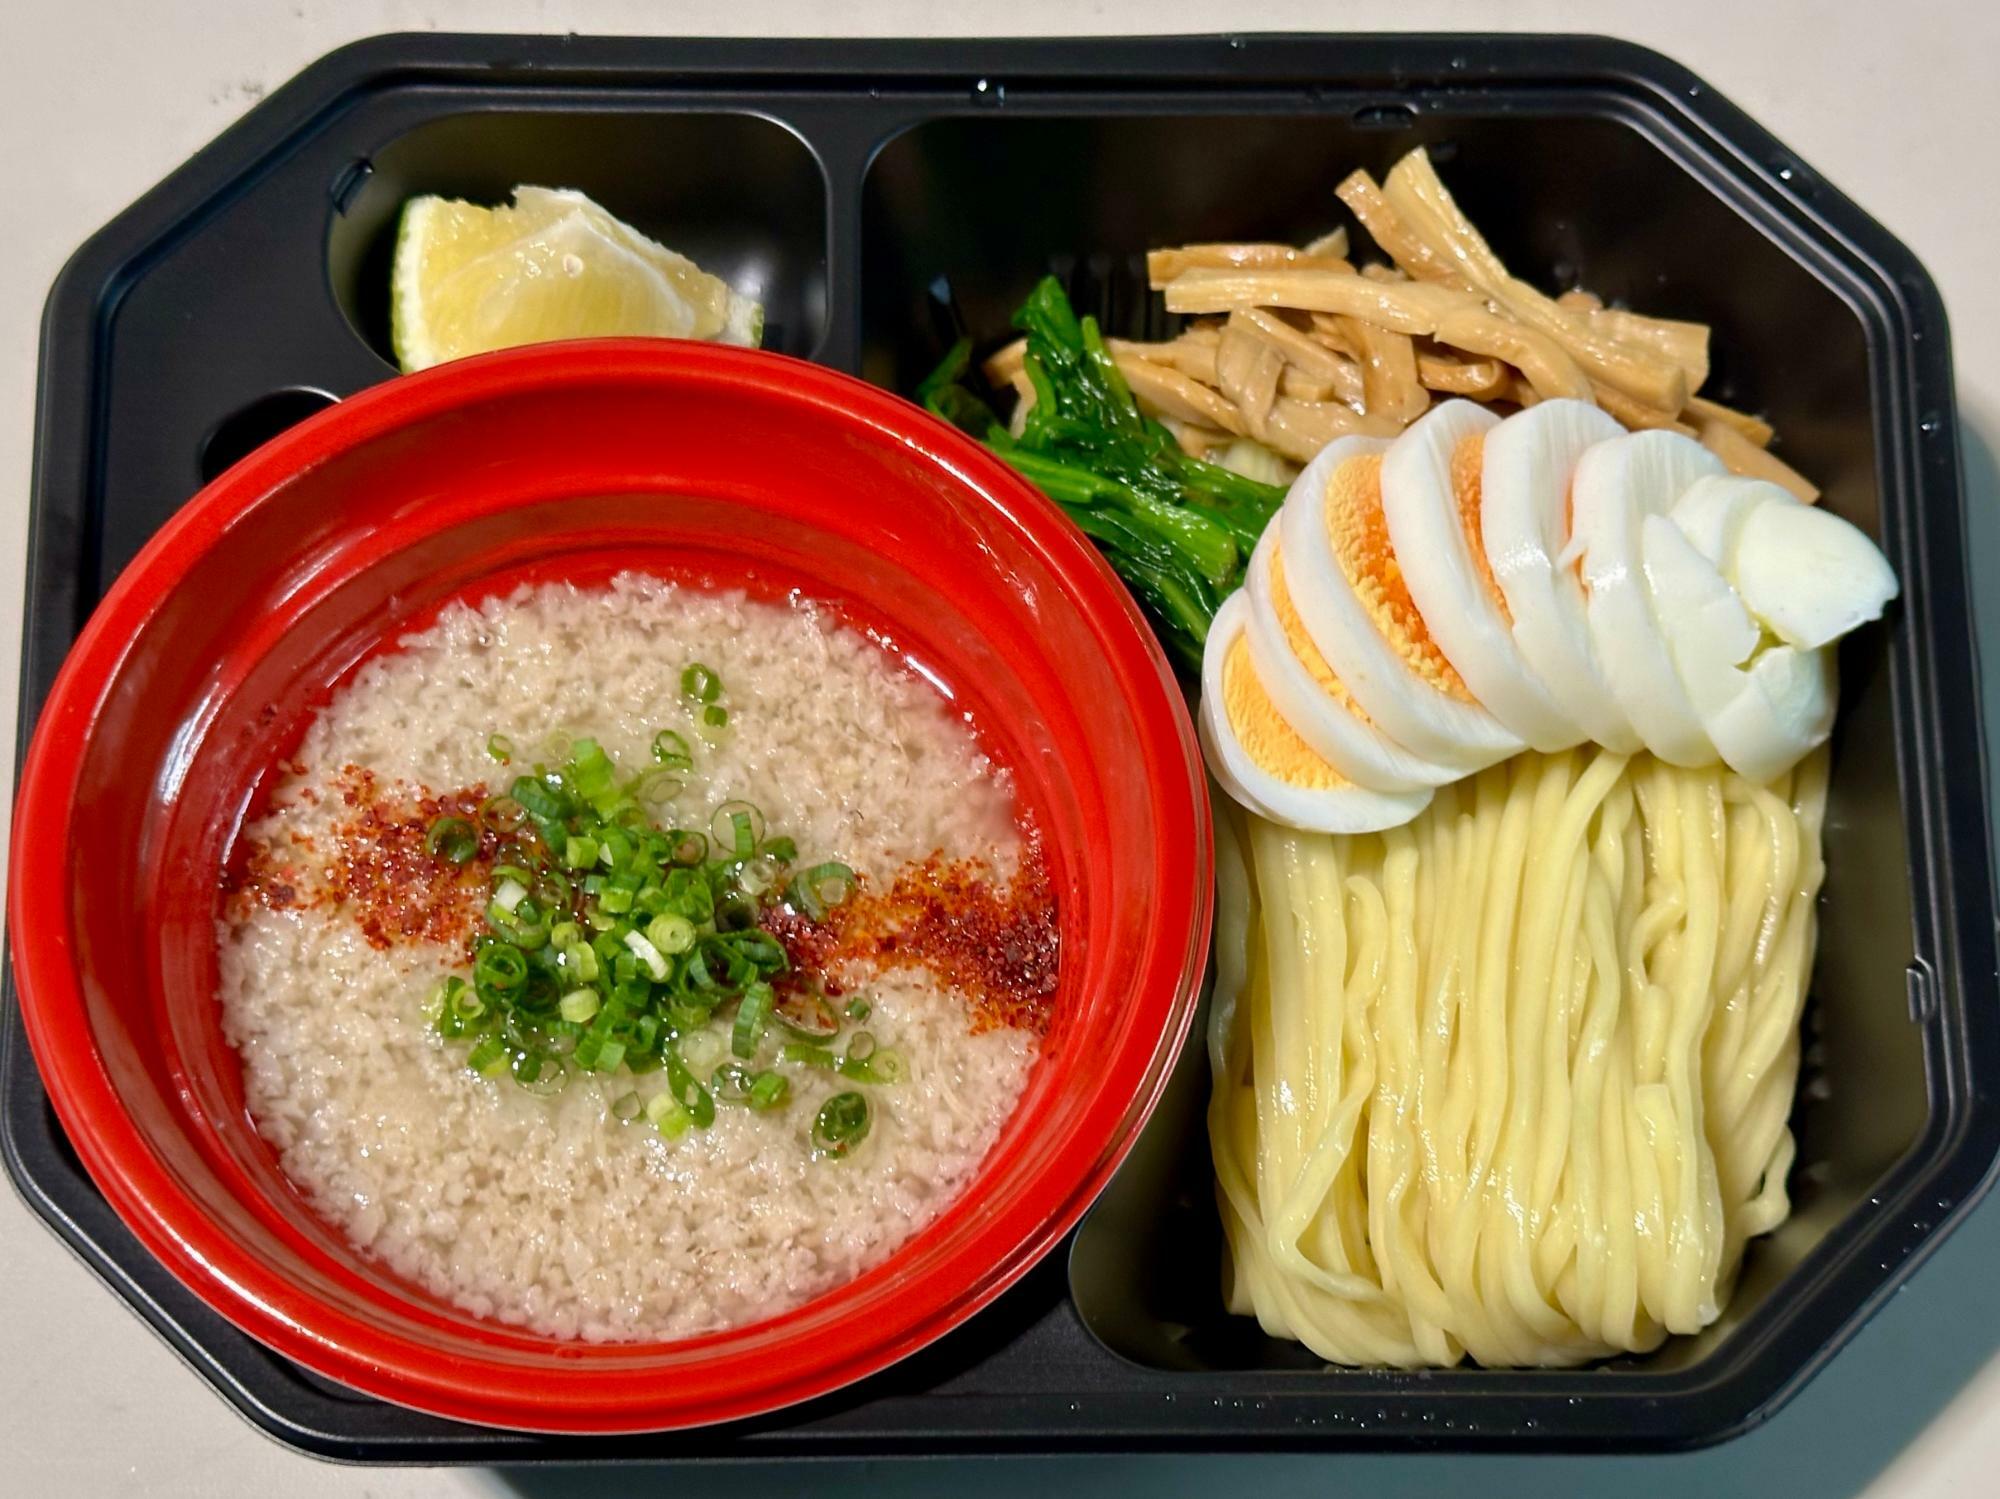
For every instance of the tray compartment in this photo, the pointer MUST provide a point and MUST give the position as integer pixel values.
(739, 193)
(1085, 197)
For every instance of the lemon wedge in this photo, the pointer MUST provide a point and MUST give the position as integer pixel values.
(553, 264)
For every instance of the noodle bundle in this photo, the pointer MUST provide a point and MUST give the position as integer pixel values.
(1512, 1081)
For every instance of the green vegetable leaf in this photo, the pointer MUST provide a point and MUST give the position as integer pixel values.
(1177, 530)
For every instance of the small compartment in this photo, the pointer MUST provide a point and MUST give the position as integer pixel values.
(738, 193)
(985, 206)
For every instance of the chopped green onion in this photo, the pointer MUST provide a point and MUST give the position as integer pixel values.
(670, 933)
(703, 1049)
(882, 1066)
(658, 786)
(441, 996)
(626, 1106)
(502, 812)
(692, 1096)
(671, 751)
(500, 747)
(647, 954)
(751, 1014)
(667, 1116)
(758, 874)
(611, 942)
(809, 1014)
(860, 1046)
(700, 683)
(805, 1054)
(452, 837)
(841, 1126)
(715, 716)
(540, 1074)
(858, 1008)
(738, 826)
(814, 890)
(498, 965)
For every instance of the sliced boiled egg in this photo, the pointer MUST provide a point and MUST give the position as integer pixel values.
(1809, 576)
(1524, 507)
(1431, 497)
(1616, 486)
(1310, 695)
(1806, 575)
(1347, 583)
(1260, 760)
(1763, 707)
(1713, 509)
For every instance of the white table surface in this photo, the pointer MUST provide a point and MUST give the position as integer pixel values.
(1897, 104)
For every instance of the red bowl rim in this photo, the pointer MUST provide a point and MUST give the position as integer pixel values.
(239, 1286)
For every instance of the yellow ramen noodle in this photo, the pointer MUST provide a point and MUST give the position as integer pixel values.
(1512, 1082)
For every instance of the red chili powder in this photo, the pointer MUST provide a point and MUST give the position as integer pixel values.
(996, 943)
(380, 871)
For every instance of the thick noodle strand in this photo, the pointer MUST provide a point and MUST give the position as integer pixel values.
(1512, 1082)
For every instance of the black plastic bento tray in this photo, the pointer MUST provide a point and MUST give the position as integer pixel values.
(887, 190)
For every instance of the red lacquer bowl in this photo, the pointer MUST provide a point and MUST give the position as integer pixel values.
(218, 642)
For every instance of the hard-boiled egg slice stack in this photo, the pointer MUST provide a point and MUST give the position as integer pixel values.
(1424, 607)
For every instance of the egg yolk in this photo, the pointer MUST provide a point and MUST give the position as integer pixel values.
(1360, 536)
(1468, 461)
(1301, 643)
(1272, 744)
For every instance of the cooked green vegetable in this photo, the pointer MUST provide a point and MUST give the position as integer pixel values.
(1177, 530)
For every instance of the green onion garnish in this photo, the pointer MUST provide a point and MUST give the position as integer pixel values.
(752, 1011)
(738, 826)
(841, 1126)
(879, 1066)
(858, 1008)
(452, 838)
(814, 890)
(702, 1049)
(700, 683)
(667, 1116)
(502, 813)
(768, 1090)
(715, 716)
(611, 943)
(658, 786)
(671, 932)
(732, 1083)
(500, 747)
(809, 1014)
